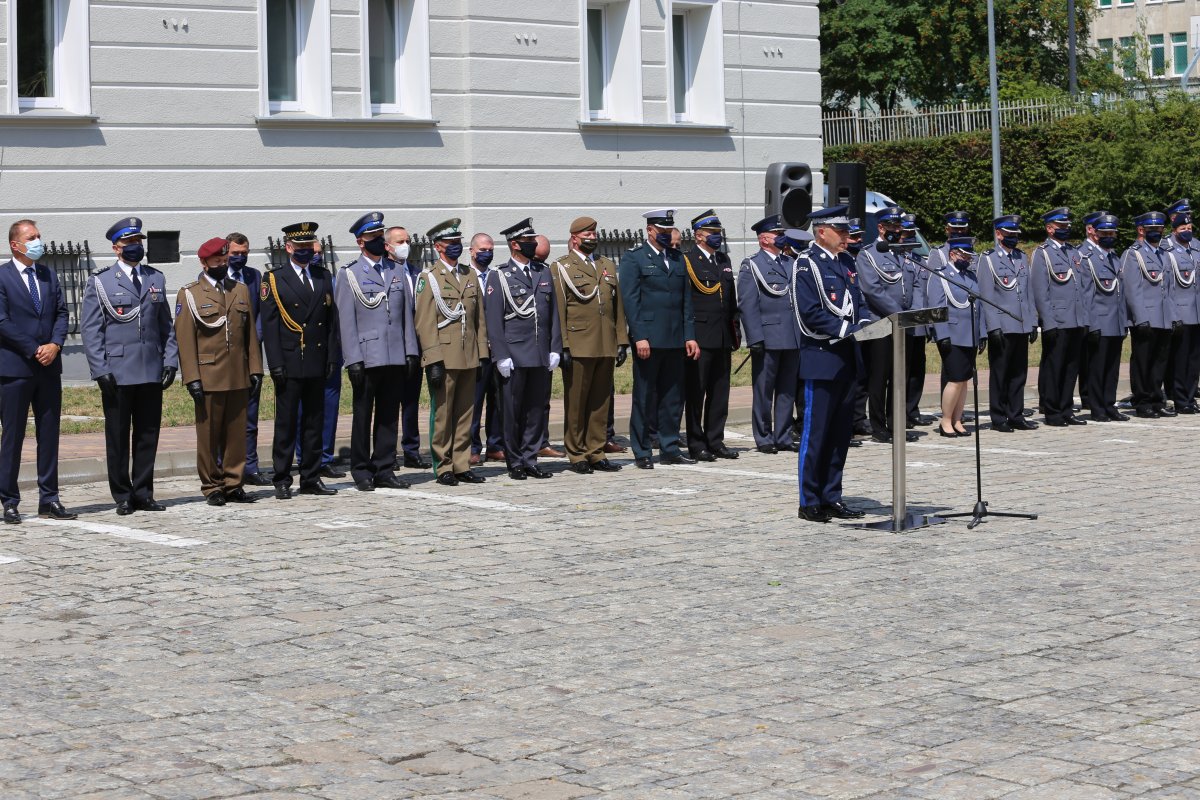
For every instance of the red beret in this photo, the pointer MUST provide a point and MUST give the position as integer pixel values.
(213, 247)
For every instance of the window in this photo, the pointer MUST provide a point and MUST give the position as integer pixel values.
(1105, 46)
(610, 61)
(1179, 53)
(396, 58)
(295, 56)
(46, 33)
(1158, 56)
(1128, 57)
(1105, 3)
(1126, 2)
(697, 83)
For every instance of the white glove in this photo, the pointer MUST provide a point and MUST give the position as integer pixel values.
(554, 359)
(505, 366)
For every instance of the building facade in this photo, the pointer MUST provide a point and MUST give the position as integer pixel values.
(1156, 38)
(208, 116)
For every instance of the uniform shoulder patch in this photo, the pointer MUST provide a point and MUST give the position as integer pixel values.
(178, 308)
(421, 283)
(264, 290)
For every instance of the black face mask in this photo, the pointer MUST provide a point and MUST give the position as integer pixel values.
(891, 237)
(527, 249)
(588, 246)
(376, 247)
(1061, 234)
(218, 274)
(1153, 237)
(303, 255)
(133, 253)
(1010, 242)
(853, 247)
(1107, 242)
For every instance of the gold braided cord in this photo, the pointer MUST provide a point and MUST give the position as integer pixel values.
(700, 287)
(288, 322)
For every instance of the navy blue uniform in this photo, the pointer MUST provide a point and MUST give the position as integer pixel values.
(830, 308)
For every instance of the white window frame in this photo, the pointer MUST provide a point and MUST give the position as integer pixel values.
(314, 67)
(72, 75)
(623, 57)
(1187, 51)
(705, 56)
(1150, 48)
(604, 112)
(412, 62)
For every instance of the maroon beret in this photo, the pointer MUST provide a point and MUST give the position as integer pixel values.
(213, 247)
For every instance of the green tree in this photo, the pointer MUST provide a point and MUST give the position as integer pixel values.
(869, 50)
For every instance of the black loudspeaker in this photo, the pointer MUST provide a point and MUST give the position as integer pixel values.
(847, 184)
(789, 192)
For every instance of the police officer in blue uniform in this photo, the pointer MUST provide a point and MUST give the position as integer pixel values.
(301, 341)
(881, 278)
(960, 338)
(765, 307)
(662, 327)
(1144, 268)
(1004, 280)
(1058, 295)
(916, 277)
(714, 303)
(241, 271)
(130, 344)
(526, 345)
(379, 347)
(1183, 361)
(828, 309)
(1106, 314)
(862, 427)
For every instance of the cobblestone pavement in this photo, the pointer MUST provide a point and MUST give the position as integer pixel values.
(671, 634)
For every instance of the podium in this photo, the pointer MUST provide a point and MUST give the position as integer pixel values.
(897, 324)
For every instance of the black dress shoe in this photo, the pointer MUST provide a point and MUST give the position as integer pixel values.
(283, 492)
(256, 479)
(882, 438)
(364, 485)
(840, 510)
(862, 429)
(12, 516)
(815, 514)
(911, 436)
(855, 443)
(319, 489)
(1002, 427)
(217, 498)
(1117, 416)
(676, 458)
(703, 455)
(124, 508)
(1147, 414)
(55, 510)
(769, 449)
(390, 482)
(925, 419)
(328, 471)
(417, 463)
(469, 477)
(447, 479)
(787, 448)
(1074, 420)
(1101, 416)
(644, 462)
(1189, 408)
(604, 465)
(537, 472)
(1022, 424)
(517, 473)
(149, 504)
(582, 467)
(1165, 412)
(1056, 423)
(239, 495)
(725, 452)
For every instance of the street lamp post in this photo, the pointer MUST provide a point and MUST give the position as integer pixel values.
(995, 92)
(1072, 78)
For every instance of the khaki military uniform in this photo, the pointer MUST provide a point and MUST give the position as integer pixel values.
(218, 346)
(592, 319)
(457, 339)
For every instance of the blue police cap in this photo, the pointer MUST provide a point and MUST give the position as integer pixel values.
(889, 214)
(123, 228)
(1057, 215)
(771, 223)
(1180, 206)
(1008, 222)
(798, 237)
(1091, 218)
(367, 223)
(856, 226)
(908, 222)
(708, 219)
(966, 243)
(833, 216)
(958, 219)
(1150, 219)
(1106, 222)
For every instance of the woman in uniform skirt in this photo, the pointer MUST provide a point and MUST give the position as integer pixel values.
(960, 338)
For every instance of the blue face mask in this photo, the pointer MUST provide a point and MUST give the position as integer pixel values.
(714, 240)
(453, 251)
(1107, 242)
(303, 255)
(484, 257)
(1010, 241)
(35, 249)
(853, 247)
(663, 239)
(1061, 234)
(781, 241)
(237, 262)
(1184, 236)
(133, 253)
(1153, 237)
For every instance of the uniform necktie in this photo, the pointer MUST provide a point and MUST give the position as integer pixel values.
(137, 282)
(33, 290)
(307, 280)
(237, 276)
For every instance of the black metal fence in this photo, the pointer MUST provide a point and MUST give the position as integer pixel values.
(73, 264)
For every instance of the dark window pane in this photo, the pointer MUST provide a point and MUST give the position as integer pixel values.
(597, 66)
(381, 49)
(35, 48)
(282, 45)
(679, 62)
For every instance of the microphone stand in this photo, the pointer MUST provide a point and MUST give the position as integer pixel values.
(981, 509)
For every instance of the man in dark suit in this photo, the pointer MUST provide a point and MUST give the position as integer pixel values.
(526, 345)
(251, 278)
(658, 309)
(300, 337)
(714, 300)
(129, 341)
(33, 327)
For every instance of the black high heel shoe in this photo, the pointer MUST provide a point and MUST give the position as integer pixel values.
(942, 431)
